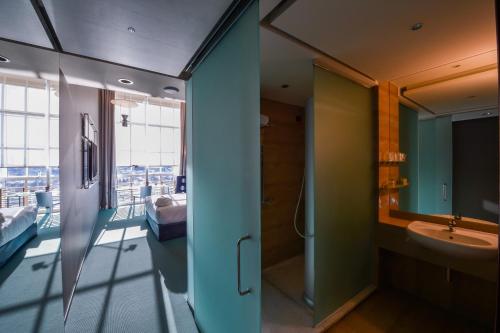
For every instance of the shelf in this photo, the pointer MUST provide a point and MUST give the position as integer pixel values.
(395, 184)
(391, 162)
(394, 187)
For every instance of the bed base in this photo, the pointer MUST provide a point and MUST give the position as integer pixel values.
(167, 231)
(11, 247)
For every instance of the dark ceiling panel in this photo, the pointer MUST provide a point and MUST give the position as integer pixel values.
(19, 21)
(167, 32)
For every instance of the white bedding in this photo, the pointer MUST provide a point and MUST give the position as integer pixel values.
(17, 220)
(175, 213)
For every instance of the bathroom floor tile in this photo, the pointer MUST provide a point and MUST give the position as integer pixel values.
(390, 311)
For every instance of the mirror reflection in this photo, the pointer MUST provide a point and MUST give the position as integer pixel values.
(30, 257)
(447, 124)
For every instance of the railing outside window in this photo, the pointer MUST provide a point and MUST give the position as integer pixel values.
(130, 179)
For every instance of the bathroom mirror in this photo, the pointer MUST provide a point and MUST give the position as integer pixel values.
(444, 141)
(30, 256)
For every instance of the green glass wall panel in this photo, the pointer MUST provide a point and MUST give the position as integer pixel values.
(444, 164)
(345, 190)
(435, 166)
(408, 143)
(225, 176)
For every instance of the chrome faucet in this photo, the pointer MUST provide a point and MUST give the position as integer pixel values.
(452, 223)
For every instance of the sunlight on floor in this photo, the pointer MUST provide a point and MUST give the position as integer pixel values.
(46, 224)
(47, 246)
(128, 212)
(122, 214)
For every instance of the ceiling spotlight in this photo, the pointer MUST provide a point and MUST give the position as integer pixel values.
(417, 26)
(171, 90)
(131, 29)
(284, 86)
(4, 59)
(126, 81)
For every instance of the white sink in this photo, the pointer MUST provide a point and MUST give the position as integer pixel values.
(462, 243)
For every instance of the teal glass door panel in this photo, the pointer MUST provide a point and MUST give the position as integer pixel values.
(225, 180)
(345, 190)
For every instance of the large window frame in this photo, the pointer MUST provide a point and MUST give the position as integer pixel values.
(29, 102)
(148, 148)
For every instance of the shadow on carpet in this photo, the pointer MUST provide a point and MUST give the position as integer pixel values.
(31, 283)
(130, 282)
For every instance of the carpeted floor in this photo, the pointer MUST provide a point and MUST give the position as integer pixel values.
(130, 282)
(31, 285)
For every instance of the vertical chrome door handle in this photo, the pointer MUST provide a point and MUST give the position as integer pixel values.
(445, 192)
(238, 255)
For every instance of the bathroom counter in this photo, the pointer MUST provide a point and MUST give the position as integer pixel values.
(401, 219)
(391, 235)
(394, 221)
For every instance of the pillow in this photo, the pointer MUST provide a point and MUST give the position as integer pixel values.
(163, 202)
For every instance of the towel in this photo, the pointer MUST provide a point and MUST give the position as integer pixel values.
(163, 202)
(2, 218)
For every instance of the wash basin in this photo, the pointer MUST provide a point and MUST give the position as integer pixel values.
(462, 243)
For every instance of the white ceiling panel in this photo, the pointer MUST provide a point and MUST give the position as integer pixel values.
(375, 37)
(468, 93)
(18, 21)
(29, 62)
(97, 74)
(167, 33)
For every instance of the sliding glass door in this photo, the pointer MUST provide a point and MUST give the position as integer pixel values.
(224, 171)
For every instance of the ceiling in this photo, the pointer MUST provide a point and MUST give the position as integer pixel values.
(19, 21)
(155, 35)
(379, 42)
(97, 74)
(283, 62)
(34, 62)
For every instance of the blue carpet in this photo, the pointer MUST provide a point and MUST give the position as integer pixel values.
(130, 282)
(31, 285)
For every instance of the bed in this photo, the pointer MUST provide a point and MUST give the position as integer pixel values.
(19, 228)
(167, 222)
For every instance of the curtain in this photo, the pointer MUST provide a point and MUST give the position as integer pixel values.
(107, 157)
(182, 168)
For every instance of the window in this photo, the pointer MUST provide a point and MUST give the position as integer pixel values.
(29, 140)
(148, 149)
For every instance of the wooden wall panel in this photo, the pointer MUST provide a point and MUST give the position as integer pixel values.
(283, 167)
(388, 141)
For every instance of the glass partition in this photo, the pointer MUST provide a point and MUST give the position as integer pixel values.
(30, 255)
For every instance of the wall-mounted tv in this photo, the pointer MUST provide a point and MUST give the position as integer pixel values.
(90, 163)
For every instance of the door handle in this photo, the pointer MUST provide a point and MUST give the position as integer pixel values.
(445, 192)
(238, 256)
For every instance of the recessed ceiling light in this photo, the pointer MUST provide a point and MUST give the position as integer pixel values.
(4, 59)
(456, 66)
(284, 86)
(171, 90)
(131, 29)
(126, 81)
(417, 26)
